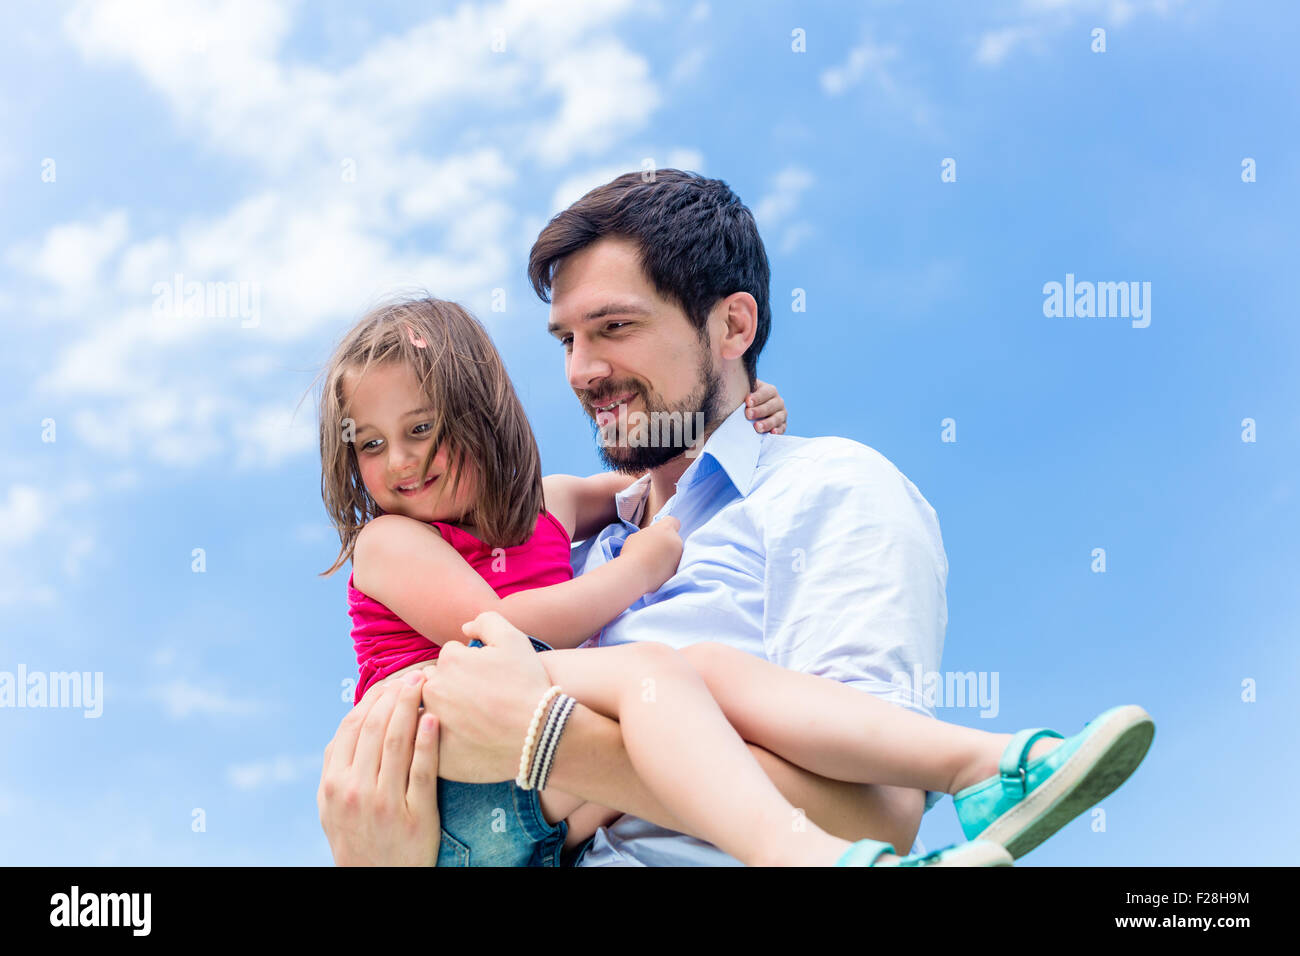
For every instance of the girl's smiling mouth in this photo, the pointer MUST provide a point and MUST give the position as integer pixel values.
(411, 489)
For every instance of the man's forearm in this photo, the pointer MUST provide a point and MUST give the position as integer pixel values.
(591, 762)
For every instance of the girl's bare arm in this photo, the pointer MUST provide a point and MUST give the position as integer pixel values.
(407, 566)
(584, 505)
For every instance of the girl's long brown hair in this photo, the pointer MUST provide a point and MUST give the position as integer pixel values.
(475, 413)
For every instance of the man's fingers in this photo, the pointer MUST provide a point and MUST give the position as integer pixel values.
(774, 423)
(767, 409)
(370, 742)
(395, 762)
(340, 751)
(422, 788)
(495, 631)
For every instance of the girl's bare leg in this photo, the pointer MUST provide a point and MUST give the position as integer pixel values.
(843, 733)
(852, 811)
(693, 760)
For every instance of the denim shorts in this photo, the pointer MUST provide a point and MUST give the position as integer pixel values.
(496, 824)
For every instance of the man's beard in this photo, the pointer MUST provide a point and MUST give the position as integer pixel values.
(631, 459)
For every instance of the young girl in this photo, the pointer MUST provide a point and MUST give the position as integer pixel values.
(432, 477)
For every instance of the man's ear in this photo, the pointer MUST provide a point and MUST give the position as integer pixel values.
(736, 319)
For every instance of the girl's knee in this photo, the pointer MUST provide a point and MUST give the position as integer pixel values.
(709, 657)
(654, 660)
(659, 656)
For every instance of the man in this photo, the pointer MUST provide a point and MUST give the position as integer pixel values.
(816, 554)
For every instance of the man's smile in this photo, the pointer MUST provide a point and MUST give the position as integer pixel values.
(605, 411)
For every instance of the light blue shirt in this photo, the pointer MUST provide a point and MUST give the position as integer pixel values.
(813, 553)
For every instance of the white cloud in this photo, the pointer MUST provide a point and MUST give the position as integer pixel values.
(688, 66)
(868, 59)
(272, 434)
(394, 171)
(1038, 24)
(595, 111)
(182, 699)
(432, 191)
(794, 237)
(994, 45)
(22, 513)
(76, 552)
(688, 159)
(875, 66)
(574, 187)
(72, 255)
(216, 62)
(776, 207)
(277, 770)
(783, 198)
(47, 535)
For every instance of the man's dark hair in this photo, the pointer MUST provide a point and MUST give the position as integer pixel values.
(698, 242)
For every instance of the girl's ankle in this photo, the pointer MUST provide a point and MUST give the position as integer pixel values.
(986, 766)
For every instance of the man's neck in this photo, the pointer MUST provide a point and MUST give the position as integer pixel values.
(663, 485)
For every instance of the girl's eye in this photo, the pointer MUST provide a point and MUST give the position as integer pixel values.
(373, 443)
(421, 428)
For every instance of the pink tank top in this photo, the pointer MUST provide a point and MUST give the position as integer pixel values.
(385, 643)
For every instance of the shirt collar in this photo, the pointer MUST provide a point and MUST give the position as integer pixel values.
(631, 500)
(733, 447)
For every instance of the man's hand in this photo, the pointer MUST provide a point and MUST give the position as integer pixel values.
(484, 698)
(378, 795)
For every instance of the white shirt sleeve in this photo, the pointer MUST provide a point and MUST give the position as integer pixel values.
(855, 574)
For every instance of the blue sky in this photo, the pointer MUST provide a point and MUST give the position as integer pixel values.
(327, 156)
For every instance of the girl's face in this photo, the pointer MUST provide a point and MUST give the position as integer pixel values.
(392, 417)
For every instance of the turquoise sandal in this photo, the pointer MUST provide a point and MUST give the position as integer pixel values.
(1028, 802)
(975, 853)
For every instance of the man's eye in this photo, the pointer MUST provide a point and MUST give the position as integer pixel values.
(566, 341)
(614, 326)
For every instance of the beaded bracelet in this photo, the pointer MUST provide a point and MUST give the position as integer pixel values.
(525, 759)
(543, 741)
(562, 709)
(546, 743)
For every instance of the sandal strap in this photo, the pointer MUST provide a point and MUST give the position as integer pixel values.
(865, 853)
(1011, 768)
(924, 859)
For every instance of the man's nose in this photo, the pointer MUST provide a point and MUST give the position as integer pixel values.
(586, 366)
